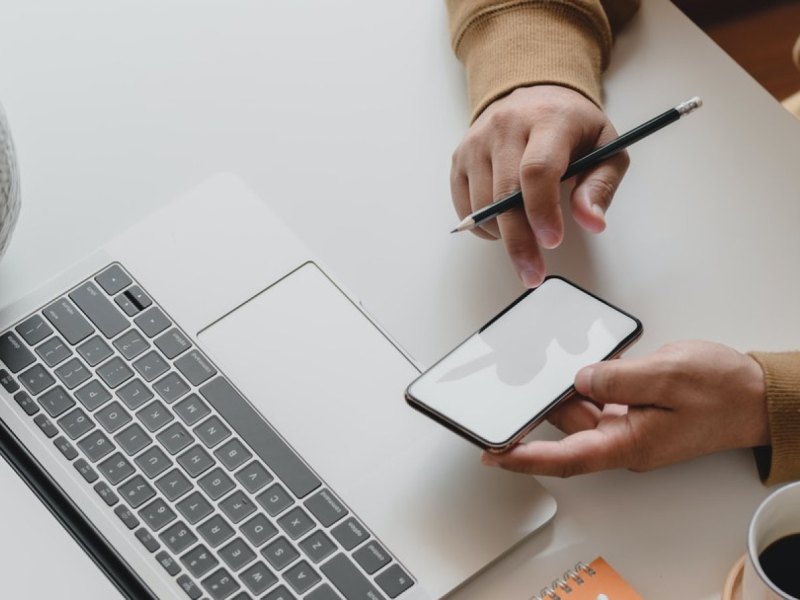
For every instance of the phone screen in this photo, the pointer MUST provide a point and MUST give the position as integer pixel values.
(520, 364)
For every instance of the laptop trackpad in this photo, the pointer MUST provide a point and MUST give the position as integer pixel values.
(332, 384)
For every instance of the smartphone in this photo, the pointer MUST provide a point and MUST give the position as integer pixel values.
(496, 386)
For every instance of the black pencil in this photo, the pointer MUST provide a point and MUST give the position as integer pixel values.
(594, 157)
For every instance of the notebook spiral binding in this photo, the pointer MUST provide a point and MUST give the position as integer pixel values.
(563, 585)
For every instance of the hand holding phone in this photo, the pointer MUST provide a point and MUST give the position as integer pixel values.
(500, 383)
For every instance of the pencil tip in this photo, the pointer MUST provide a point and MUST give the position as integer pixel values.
(454, 230)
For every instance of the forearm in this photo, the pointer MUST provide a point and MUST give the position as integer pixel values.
(506, 44)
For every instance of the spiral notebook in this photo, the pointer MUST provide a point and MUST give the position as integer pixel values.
(595, 581)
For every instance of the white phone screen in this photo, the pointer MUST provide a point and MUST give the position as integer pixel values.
(505, 375)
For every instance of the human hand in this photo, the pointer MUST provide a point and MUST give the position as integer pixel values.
(686, 400)
(525, 141)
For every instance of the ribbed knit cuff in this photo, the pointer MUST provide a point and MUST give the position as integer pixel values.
(781, 460)
(532, 43)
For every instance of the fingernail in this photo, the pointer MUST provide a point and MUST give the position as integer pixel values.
(583, 380)
(488, 460)
(530, 277)
(547, 238)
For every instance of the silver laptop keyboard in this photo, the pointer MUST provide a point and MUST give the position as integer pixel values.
(200, 479)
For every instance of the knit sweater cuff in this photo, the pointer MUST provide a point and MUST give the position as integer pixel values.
(780, 461)
(531, 43)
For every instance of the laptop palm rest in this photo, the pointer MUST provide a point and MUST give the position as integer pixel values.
(332, 384)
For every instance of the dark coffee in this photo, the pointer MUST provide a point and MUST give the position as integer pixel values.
(780, 562)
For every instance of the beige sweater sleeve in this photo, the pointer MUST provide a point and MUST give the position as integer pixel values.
(506, 44)
(781, 460)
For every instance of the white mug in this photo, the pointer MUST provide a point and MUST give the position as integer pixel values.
(776, 517)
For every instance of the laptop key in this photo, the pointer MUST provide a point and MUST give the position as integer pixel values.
(195, 460)
(26, 403)
(8, 382)
(259, 530)
(258, 578)
(34, 329)
(46, 426)
(215, 531)
(157, 514)
(280, 553)
(92, 395)
(86, 470)
(75, 423)
(394, 581)
(134, 394)
(326, 507)
(136, 491)
(236, 554)
(237, 506)
(302, 577)
(113, 279)
(53, 351)
(68, 320)
(126, 304)
(131, 344)
(371, 556)
(323, 592)
(216, 483)
(195, 367)
(296, 522)
(72, 373)
(172, 343)
(346, 578)
(274, 499)
(194, 507)
(254, 477)
(56, 402)
(138, 297)
(114, 372)
(155, 415)
(106, 493)
(232, 454)
(171, 387)
(174, 485)
(260, 436)
(132, 439)
(178, 537)
(189, 586)
(174, 438)
(127, 517)
(199, 561)
(116, 468)
(220, 584)
(13, 353)
(212, 431)
(317, 546)
(191, 409)
(112, 417)
(281, 593)
(152, 321)
(36, 379)
(146, 538)
(153, 462)
(350, 533)
(94, 350)
(95, 305)
(151, 365)
(170, 564)
(67, 449)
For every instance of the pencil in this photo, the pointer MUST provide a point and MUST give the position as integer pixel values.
(592, 159)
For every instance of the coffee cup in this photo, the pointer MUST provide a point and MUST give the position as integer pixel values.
(772, 561)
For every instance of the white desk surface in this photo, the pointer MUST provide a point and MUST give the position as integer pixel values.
(343, 116)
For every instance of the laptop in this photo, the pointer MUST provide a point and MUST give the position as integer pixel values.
(211, 414)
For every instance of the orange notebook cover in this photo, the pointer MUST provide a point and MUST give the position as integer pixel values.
(595, 581)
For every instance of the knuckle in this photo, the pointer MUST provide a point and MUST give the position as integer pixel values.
(602, 191)
(533, 169)
(501, 121)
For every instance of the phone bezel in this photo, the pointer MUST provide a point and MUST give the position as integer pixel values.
(537, 419)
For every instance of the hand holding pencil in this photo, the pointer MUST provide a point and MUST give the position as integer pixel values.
(520, 149)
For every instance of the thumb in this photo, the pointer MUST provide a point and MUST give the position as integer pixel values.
(623, 381)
